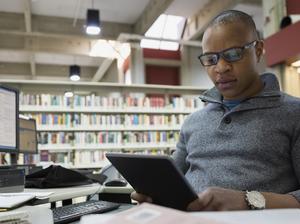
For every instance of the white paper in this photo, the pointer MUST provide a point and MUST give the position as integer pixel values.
(148, 214)
(10, 201)
(13, 215)
(38, 195)
(267, 216)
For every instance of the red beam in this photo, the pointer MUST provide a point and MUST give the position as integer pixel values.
(293, 7)
(283, 45)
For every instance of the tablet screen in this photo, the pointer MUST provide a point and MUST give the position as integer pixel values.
(155, 176)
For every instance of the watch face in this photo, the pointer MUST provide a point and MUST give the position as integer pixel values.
(256, 199)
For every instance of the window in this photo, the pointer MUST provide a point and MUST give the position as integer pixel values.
(165, 27)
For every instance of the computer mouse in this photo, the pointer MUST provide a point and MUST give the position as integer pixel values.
(116, 183)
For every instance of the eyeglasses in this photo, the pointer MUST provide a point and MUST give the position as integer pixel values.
(229, 55)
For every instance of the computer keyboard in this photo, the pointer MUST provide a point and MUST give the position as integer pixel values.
(70, 213)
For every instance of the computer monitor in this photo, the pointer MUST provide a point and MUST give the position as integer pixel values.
(27, 136)
(9, 115)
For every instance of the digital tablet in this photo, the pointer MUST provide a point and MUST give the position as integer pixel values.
(155, 176)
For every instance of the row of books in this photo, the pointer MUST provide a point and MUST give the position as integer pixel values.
(97, 137)
(55, 137)
(151, 137)
(44, 100)
(81, 119)
(61, 158)
(62, 119)
(96, 157)
(154, 137)
(129, 119)
(90, 157)
(83, 138)
(110, 102)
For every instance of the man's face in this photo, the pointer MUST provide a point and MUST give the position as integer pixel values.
(239, 79)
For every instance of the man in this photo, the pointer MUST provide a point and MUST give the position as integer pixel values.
(242, 151)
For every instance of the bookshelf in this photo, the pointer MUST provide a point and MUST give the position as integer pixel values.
(102, 117)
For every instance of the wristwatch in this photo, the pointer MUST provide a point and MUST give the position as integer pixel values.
(255, 200)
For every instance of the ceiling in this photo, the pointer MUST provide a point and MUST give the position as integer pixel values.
(39, 39)
(111, 10)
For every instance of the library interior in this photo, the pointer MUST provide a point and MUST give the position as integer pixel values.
(146, 109)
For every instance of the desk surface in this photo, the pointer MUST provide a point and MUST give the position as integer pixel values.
(116, 190)
(65, 193)
(79, 191)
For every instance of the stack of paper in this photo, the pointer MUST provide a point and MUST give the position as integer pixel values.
(147, 214)
(266, 216)
(12, 201)
(154, 214)
(14, 217)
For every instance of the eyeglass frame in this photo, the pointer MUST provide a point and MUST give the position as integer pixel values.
(220, 53)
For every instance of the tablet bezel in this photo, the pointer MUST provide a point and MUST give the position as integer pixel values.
(156, 176)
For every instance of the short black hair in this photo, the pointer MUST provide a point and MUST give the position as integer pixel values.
(230, 16)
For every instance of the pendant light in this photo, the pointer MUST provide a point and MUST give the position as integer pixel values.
(74, 72)
(93, 21)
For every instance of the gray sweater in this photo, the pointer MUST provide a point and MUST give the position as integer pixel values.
(254, 146)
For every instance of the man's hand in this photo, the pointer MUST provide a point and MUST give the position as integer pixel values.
(219, 199)
(140, 198)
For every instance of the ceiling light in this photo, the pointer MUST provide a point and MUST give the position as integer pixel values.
(69, 94)
(92, 22)
(296, 63)
(74, 73)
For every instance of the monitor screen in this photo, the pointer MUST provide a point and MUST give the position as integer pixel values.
(27, 136)
(9, 115)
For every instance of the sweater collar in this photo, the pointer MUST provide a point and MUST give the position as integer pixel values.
(271, 89)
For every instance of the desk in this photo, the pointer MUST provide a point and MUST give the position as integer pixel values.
(116, 190)
(66, 194)
(116, 194)
(43, 215)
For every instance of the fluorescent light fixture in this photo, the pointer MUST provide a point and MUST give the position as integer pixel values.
(69, 94)
(92, 22)
(296, 63)
(74, 73)
(165, 27)
(153, 44)
(169, 45)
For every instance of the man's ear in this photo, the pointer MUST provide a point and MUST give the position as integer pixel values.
(259, 50)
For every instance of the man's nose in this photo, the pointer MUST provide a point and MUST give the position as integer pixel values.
(222, 66)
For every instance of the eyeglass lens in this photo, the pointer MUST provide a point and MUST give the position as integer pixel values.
(230, 55)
